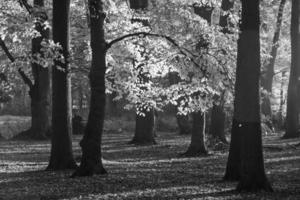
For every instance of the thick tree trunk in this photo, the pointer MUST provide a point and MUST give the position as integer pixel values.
(40, 89)
(197, 146)
(232, 172)
(293, 96)
(61, 142)
(91, 160)
(144, 129)
(246, 116)
(267, 78)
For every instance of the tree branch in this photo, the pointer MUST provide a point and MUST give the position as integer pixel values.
(26, 5)
(6, 51)
(144, 34)
(25, 78)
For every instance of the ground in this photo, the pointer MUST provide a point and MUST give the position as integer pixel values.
(142, 172)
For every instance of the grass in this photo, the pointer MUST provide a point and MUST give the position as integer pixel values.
(141, 172)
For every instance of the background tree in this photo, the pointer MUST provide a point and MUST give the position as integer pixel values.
(292, 113)
(145, 117)
(268, 74)
(61, 145)
(39, 89)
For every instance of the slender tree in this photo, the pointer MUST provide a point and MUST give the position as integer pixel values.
(267, 77)
(293, 95)
(91, 160)
(39, 90)
(246, 118)
(61, 143)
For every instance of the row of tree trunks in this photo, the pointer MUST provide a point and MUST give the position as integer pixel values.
(246, 119)
(267, 77)
(293, 96)
(91, 160)
(61, 142)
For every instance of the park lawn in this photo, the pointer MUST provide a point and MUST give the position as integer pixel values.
(142, 172)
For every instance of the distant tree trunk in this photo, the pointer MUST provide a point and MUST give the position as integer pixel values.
(61, 142)
(267, 78)
(91, 160)
(246, 117)
(217, 124)
(293, 96)
(182, 120)
(39, 91)
(197, 146)
(144, 129)
(281, 118)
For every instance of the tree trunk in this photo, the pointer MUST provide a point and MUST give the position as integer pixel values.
(217, 123)
(267, 78)
(246, 115)
(40, 89)
(197, 146)
(91, 160)
(61, 142)
(293, 96)
(144, 129)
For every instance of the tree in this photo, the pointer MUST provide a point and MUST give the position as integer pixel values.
(91, 160)
(145, 118)
(61, 144)
(293, 96)
(218, 115)
(39, 89)
(197, 146)
(267, 77)
(246, 118)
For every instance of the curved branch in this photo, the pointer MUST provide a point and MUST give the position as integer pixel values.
(145, 34)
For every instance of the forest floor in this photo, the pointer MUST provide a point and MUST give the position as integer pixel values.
(142, 172)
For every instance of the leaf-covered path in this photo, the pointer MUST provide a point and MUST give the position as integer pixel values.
(142, 172)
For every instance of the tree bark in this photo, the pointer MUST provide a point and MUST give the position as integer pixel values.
(144, 129)
(217, 123)
(39, 91)
(246, 117)
(91, 160)
(293, 96)
(197, 146)
(61, 142)
(267, 78)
